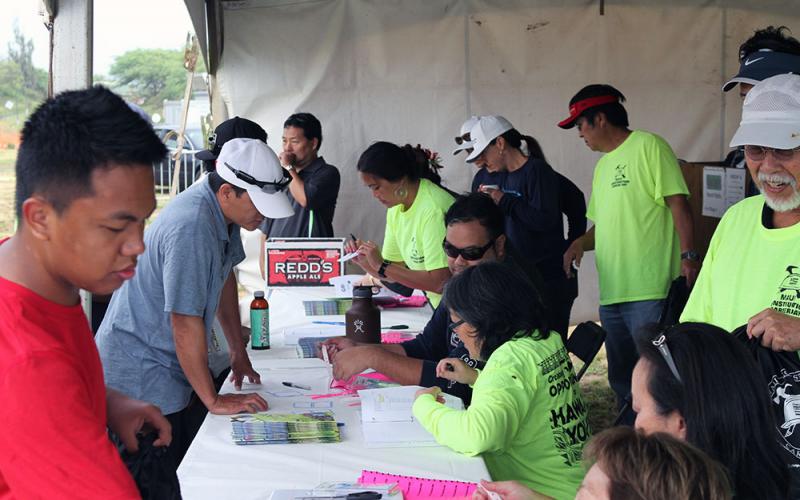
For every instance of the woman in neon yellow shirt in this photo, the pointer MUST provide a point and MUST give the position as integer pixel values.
(527, 418)
(405, 180)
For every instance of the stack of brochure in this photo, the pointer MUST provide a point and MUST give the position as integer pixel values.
(285, 428)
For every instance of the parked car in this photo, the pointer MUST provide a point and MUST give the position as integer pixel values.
(191, 169)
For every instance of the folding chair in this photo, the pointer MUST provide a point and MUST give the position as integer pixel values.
(585, 342)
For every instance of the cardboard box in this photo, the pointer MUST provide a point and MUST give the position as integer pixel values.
(303, 261)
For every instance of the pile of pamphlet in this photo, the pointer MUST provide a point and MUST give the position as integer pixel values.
(285, 428)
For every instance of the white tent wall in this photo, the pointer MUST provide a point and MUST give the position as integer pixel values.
(413, 70)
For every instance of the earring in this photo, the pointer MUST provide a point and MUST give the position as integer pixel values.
(401, 192)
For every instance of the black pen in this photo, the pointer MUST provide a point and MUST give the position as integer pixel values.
(296, 386)
(353, 237)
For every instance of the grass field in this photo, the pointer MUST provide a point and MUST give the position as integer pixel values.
(598, 395)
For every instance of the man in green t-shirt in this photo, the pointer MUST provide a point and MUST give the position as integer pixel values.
(751, 273)
(642, 233)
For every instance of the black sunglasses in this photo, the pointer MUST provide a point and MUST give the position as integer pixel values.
(461, 139)
(266, 186)
(469, 253)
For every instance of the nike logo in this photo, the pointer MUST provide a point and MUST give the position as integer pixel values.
(751, 61)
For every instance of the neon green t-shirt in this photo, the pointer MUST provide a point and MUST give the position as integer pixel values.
(637, 248)
(527, 417)
(415, 236)
(747, 269)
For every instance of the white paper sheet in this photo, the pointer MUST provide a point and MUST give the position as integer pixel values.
(387, 420)
(713, 191)
(734, 186)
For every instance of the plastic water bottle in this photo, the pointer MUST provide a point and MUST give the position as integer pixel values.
(259, 322)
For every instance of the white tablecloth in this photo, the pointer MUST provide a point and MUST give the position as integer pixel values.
(215, 468)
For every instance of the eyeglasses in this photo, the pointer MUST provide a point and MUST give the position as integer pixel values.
(266, 186)
(461, 139)
(456, 324)
(469, 253)
(661, 345)
(758, 153)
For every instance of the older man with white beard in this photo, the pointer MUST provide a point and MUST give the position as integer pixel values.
(752, 271)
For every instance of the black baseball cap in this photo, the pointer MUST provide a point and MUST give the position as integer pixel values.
(235, 128)
(763, 64)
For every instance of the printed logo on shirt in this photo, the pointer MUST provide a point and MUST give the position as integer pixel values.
(788, 298)
(620, 177)
(567, 421)
(786, 408)
(416, 256)
(455, 343)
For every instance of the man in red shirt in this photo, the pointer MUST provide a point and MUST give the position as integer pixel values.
(84, 190)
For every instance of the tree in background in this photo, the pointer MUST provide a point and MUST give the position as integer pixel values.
(149, 76)
(22, 86)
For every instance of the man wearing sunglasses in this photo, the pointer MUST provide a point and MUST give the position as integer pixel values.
(474, 234)
(155, 338)
(752, 271)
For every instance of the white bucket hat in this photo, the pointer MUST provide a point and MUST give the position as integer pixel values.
(484, 132)
(771, 114)
(251, 164)
(466, 128)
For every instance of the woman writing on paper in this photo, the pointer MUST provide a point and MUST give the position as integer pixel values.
(405, 180)
(527, 417)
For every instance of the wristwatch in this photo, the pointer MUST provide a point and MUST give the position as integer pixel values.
(289, 168)
(382, 269)
(691, 255)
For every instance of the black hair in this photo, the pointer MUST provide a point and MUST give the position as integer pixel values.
(312, 128)
(615, 112)
(499, 302)
(724, 402)
(70, 135)
(771, 38)
(477, 207)
(512, 137)
(215, 181)
(534, 149)
(392, 162)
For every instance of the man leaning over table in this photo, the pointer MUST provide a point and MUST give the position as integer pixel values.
(84, 190)
(154, 338)
(751, 273)
(474, 234)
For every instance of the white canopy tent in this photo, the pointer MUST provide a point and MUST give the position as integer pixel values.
(413, 70)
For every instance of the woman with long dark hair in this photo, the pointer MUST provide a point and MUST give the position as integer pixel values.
(527, 418)
(406, 181)
(698, 383)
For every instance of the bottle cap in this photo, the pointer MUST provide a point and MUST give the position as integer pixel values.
(259, 294)
(362, 292)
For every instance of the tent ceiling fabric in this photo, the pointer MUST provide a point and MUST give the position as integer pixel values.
(413, 70)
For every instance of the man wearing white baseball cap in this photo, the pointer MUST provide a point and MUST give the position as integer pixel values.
(154, 339)
(751, 273)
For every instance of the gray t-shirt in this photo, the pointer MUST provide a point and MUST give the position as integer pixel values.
(189, 253)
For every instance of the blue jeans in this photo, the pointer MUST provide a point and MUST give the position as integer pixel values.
(622, 323)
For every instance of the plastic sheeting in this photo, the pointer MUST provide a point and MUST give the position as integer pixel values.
(413, 70)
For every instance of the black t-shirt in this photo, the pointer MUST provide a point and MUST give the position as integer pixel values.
(321, 182)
